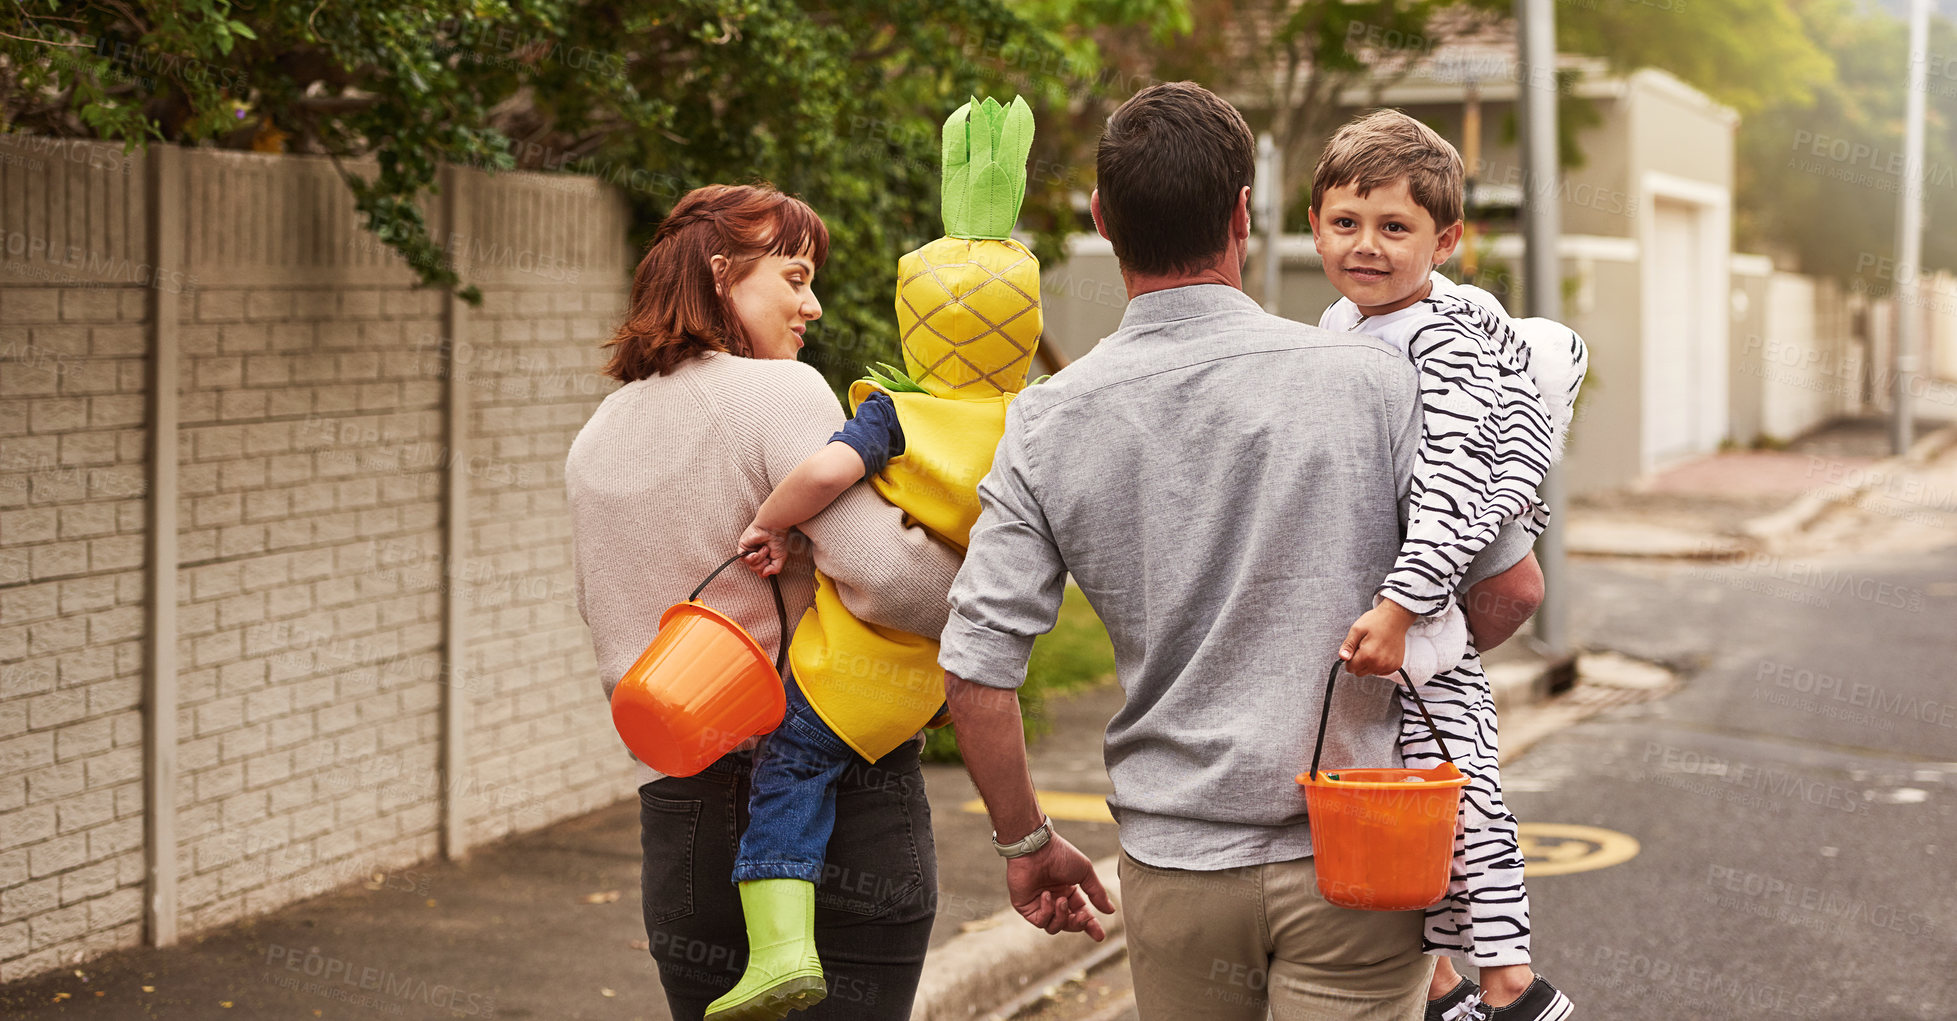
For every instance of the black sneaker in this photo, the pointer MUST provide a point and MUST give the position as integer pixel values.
(1459, 1004)
(1540, 1002)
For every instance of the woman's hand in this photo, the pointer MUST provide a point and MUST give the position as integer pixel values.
(764, 550)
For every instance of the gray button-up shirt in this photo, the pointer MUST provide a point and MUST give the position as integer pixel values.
(1227, 488)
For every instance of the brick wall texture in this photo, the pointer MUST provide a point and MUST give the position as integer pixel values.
(72, 488)
(312, 457)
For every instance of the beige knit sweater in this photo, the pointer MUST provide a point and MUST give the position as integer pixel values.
(669, 470)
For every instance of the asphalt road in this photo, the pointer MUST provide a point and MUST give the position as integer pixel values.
(1795, 804)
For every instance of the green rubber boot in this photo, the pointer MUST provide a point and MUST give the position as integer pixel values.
(783, 971)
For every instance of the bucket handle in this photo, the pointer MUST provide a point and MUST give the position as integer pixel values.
(1325, 715)
(781, 610)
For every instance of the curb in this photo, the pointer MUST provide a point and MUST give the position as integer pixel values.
(975, 974)
(1522, 673)
(1798, 515)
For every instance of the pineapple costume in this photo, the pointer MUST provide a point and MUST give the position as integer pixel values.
(968, 307)
(968, 313)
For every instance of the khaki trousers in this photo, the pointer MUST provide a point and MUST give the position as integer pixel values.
(1231, 944)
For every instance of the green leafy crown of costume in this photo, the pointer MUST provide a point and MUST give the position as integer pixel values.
(985, 148)
(894, 379)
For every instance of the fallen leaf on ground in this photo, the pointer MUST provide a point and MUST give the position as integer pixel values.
(149, 989)
(601, 898)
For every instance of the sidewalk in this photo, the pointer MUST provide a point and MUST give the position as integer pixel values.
(547, 925)
(1836, 487)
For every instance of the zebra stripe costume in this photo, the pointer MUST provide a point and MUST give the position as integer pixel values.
(1497, 399)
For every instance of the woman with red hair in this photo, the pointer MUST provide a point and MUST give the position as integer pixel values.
(713, 413)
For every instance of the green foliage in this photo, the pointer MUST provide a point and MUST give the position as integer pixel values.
(1820, 88)
(1075, 655)
(1750, 54)
(1818, 179)
(1292, 61)
(839, 102)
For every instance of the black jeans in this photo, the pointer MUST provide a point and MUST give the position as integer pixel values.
(875, 902)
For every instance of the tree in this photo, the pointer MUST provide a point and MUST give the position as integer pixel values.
(1293, 59)
(1820, 87)
(1819, 176)
(1748, 54)
(839, 102)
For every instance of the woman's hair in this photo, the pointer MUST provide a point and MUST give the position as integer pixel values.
(676, 312)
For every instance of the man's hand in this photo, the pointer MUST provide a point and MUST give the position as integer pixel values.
(1377, 644)
(1053, 886)
(764, 550)
(1045, 887)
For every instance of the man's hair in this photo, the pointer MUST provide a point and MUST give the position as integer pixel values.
(1169, 169)
(1383, 147)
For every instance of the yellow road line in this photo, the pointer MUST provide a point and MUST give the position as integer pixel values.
(1066, 806)
(1556, 849)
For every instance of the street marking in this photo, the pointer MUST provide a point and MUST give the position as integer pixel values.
(1555, 849)
(1065, 806)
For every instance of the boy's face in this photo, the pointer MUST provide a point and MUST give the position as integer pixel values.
(1379, 249)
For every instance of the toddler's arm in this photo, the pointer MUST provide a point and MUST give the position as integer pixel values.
(807, 491)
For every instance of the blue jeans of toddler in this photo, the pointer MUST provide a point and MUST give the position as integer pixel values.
(793, 808)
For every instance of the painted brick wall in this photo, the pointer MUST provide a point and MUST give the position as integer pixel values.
(308, 462)
(542, 740)
(312, 456)
(72, 488)
(71, 622)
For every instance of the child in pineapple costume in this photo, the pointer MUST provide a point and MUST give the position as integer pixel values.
(968, 311)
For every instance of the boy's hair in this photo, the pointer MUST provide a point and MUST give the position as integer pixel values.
(1385, 146)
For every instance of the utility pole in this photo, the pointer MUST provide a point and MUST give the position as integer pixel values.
(1909, 225)
(1471, 156)
(1543, 275)
(1270, 190)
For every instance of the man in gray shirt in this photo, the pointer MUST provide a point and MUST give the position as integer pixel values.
(1228, 490)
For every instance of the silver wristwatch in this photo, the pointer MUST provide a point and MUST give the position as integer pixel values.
(1027, 844)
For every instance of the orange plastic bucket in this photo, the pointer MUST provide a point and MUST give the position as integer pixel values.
(1383, 839)
(703, 686)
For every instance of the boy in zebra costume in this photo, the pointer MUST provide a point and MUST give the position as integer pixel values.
(1497, 397)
